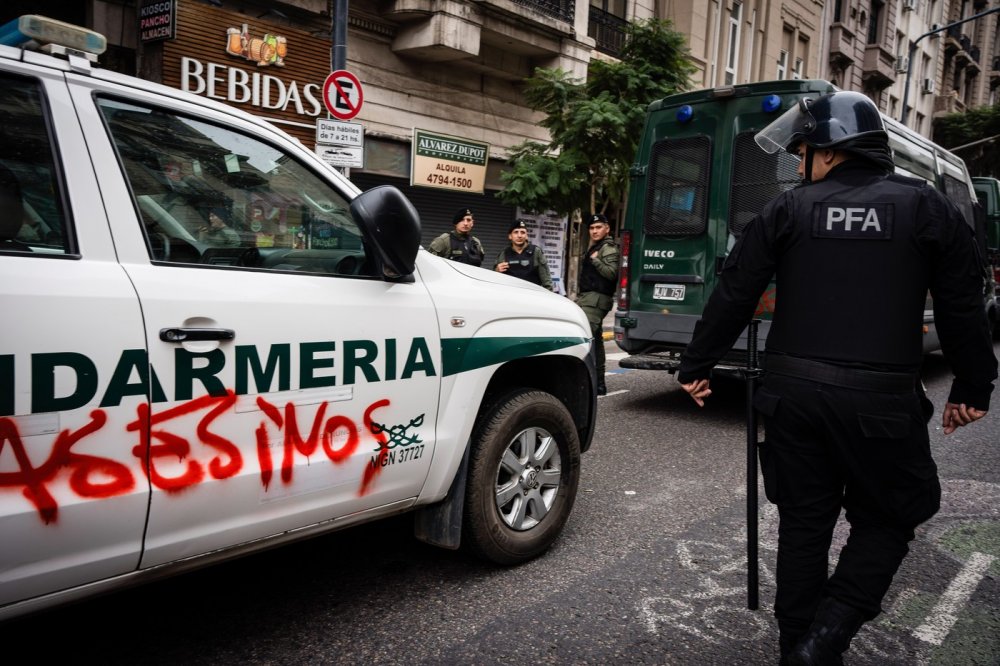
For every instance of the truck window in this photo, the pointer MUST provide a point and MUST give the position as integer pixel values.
(677, 190)
(33, 220)
(958, 192)
(757, 178)
(212, 196)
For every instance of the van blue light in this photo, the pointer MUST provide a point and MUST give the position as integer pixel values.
(43, 30)
(771, 104)
(684, 113)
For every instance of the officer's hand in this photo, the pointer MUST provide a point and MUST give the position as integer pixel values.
(698, 390)
(956, 416)
(502, 266)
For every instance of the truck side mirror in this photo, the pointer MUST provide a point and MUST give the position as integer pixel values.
(393, 224)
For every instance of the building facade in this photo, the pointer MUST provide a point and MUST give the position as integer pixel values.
(734, 41)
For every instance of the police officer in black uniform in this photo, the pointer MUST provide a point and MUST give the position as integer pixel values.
(853, 250)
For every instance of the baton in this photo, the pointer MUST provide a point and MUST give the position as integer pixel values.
(752, 373)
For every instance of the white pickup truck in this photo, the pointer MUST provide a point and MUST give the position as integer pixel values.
(211, 343)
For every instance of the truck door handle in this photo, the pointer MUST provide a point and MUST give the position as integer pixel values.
(188, 334)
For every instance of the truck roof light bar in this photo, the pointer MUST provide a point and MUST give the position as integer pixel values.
(34, 31)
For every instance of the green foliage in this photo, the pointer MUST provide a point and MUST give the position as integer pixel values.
(958, 129)
(595, 124)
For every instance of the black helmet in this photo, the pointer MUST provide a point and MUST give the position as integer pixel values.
(829, 121)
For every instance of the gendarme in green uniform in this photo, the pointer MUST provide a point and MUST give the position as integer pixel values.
(596, 286)
(459, 244)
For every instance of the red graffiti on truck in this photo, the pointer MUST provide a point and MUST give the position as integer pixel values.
(90, 476)
(34, 481)
(321, 431)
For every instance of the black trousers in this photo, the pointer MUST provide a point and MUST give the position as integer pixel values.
(600, 362)
(828, 448)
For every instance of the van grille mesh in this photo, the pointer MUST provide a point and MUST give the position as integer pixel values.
(757, 178)
(958, 192)
(677, 187)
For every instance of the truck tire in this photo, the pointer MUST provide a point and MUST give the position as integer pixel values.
(524, 469)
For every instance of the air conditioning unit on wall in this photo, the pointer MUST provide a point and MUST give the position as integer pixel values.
(910, 5)
(927, 86)
(902, 63)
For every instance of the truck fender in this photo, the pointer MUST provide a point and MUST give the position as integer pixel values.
(440, 524)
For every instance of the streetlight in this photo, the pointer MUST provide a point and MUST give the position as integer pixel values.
(913, 50)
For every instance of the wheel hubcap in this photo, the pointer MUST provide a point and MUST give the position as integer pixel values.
(528, 478)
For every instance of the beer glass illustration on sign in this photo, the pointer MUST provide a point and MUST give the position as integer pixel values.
(267, 50)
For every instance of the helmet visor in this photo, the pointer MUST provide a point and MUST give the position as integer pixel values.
(795, 123)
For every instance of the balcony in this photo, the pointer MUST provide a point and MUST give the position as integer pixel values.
(558, 9)
(952, 40)
(972, 66)
(504, 38)
(995, 72)
(950, 103)
(607, 30)
(962, 59)
(879, 69)
(842, 47)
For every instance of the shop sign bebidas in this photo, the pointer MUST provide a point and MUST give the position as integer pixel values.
(237, 86)
(274, 71)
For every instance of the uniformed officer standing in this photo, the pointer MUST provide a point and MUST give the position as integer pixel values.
(596, 286)
(459, 244)
(522, 259)
(854, 251)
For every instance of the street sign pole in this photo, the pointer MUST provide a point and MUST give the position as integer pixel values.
(338, 50)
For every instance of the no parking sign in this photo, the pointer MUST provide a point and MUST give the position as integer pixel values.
(342, 94)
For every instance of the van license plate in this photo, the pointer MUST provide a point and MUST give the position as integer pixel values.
(668, 292)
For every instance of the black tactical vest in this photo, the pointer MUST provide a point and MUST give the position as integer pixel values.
(853, 267)
(522, 265)
(464, 250)
(590, 279)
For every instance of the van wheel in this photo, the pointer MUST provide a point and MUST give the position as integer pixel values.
(524, 469)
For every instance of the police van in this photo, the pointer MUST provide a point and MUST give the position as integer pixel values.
(988, 193)
(698, 180)
(213, 343)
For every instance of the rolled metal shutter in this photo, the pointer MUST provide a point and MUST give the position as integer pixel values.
(437, 207)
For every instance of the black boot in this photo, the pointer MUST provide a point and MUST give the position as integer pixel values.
(786, 643)
(602, 389)
(829, 635)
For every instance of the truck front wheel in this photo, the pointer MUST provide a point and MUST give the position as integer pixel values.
(524, 470)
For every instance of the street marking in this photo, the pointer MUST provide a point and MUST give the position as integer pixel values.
(608, 395)
(944, 615)
(710, 609)
(615, 357)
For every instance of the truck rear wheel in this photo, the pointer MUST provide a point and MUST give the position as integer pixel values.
(524, 470)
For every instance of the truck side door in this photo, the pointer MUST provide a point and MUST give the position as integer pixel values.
(291, 385)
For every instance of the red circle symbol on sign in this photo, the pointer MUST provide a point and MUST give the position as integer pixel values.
(342, 94)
